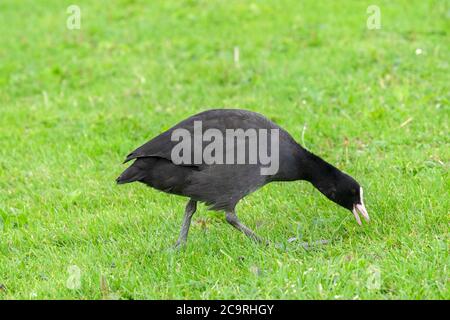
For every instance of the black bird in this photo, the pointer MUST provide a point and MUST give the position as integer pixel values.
(221, 183)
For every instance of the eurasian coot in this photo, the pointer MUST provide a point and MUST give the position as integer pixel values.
(219, 156)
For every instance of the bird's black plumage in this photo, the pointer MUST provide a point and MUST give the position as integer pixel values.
(221, 186)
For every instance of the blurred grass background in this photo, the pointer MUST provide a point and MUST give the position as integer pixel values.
(73, 103)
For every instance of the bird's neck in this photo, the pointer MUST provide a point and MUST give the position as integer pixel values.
(316, 170)
(320, 173)
(304, 165)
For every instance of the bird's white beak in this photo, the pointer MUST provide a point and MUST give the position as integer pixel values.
(361, 209)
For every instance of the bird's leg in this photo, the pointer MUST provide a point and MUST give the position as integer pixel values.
(188, 213)
(234, 221)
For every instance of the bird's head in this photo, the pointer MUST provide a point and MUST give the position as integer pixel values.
(346, 192)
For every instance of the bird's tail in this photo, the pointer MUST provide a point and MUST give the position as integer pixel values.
(131, 174)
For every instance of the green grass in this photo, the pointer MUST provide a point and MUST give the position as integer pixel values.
(73, 103)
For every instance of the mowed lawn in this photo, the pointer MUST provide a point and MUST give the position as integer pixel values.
(74, 103)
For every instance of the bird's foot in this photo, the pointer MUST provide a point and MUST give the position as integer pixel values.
(179, 245)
